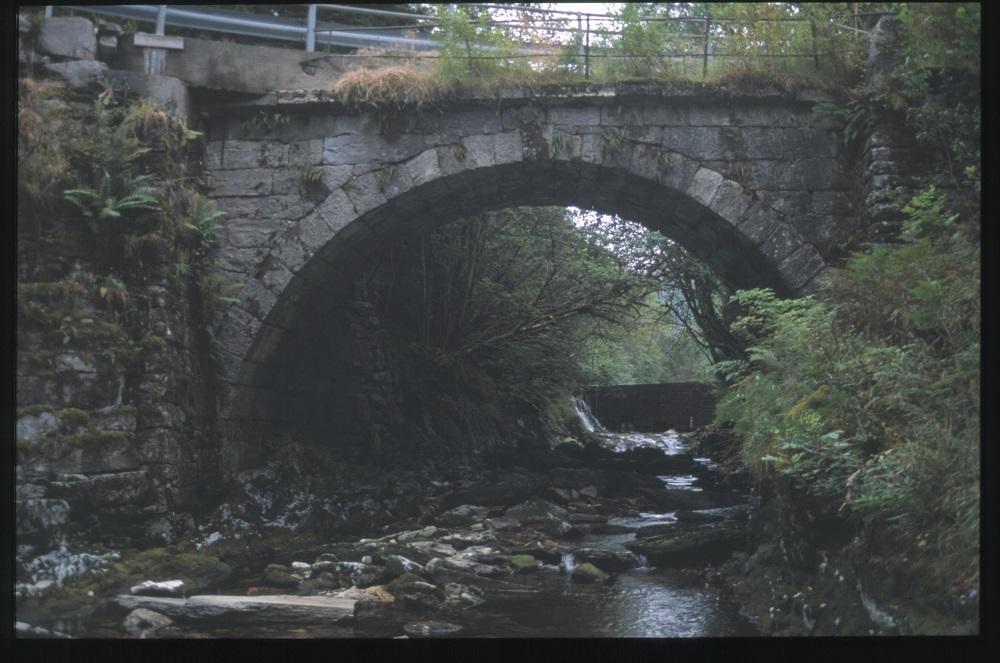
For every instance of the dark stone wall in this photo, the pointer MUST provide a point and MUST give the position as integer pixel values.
(682, 406)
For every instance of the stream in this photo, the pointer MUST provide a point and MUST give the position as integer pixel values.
(647, 600)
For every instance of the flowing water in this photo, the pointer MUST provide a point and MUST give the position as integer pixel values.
(641, 602)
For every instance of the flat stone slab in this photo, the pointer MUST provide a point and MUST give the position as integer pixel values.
(279, 608)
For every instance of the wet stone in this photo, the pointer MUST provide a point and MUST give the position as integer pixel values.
(431, 629)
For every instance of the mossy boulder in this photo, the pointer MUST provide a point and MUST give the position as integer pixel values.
(523, 563)
(587, 572)
(280, 576)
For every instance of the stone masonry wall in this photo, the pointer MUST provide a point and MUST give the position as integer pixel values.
(751, 182)
(111, 400)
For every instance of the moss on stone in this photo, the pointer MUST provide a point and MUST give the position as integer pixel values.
(199, 571)
(32, 410)
(96, 438)
(72, 419)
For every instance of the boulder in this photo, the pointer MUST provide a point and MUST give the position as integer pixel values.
(559, 528)
(431, 629)
(258, 609)
(461, 597)
(165, 588)
(523, 563)
(465, 539)
(504, 524)
(397, 565)
(465, 514)
(67, 37)
(280, 576)
(536, 510)
(423, 534)
(693, 500)
(79, 74)
(415, 592)
(143, 623)
(607, 559)
(691, 547)
(587, 572)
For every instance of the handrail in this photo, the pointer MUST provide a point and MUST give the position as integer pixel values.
(311, 33)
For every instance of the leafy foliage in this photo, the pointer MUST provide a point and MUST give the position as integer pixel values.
(868, 399)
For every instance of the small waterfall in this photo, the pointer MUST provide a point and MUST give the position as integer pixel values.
(568, 563)
(587, 418)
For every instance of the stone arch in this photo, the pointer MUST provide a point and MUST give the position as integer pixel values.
(717, 219)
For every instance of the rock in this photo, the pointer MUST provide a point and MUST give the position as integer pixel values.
(461, 596)
(433, 548)
(322, 581)
(535, 510)
(587, 572)
(610, 528)
(419, 534)
(691, 547)
(142, 622)
(466, 566)
(34, 426)
(504, 524)
(370, 597)
(589, 491)
(549, 551)
(693, 500)
(558, 527)
(498, 489)
(431, 629)
(397, 565)
(25, 630)
(260, 609)
(587, 518)
(655, 530)
(78, 74)
(443, 575)
(280, 576)
(608, 560)
(358, 573)
(463, 515)
(698, 517)
(523, 563)
(322, 567)
(326, 557)
(165, 588)
(465, 539)
(572, 477)
(301, 566)
(68, 37)
(415, 592)
(105, 27)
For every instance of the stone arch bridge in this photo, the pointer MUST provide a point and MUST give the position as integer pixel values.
(754, 184)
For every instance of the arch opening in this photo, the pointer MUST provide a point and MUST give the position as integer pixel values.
(294, 348)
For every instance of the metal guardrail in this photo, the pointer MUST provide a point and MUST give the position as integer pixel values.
(312, 33)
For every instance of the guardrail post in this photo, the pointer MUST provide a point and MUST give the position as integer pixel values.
(311, 29)
(161, 20)
(48, 11)
(704, 64)
(153, 59)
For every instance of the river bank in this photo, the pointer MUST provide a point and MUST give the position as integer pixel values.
(604, 538)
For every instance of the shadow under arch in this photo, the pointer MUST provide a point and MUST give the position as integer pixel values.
(303, 283)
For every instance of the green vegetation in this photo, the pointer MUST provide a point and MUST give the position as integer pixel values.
(785, 45)
(527, 304)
